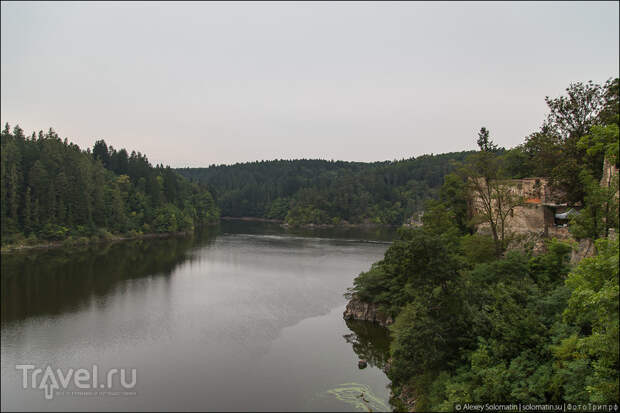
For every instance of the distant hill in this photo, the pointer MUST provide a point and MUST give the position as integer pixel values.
(315, 191)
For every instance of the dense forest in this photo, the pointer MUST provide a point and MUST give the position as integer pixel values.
(312, 191)
(478, 321)
(53, 190)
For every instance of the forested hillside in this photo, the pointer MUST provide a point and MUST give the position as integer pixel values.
(477, 321)
(309, 191)
(53, 190)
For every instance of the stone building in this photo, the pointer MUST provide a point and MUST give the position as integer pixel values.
(540, 211)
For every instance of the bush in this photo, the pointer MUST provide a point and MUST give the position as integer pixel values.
(133, 233)
(104, 235)
(478, 248)
(53, 232)
(76, 241)
(32, 239)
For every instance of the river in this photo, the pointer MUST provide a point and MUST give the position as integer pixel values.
(239, 317)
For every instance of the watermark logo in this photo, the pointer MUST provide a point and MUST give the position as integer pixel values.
(88, 381)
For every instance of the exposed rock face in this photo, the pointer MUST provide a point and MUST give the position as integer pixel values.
(407, 397)
(528, 242)
(359, 310)
(585, 249)
(387, 366)
(609, 171)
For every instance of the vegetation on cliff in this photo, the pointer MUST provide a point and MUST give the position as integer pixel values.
(475, 322)
(52, 190)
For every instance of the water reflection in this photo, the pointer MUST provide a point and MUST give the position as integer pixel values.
(382, 233)
(56, 281)
(370, 341)
(243, 317)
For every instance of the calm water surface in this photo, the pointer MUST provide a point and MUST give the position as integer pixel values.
(242, 317)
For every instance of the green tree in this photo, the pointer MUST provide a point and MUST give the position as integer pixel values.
(493, 198)
(432, 321)
(611, 109)
(484, 142)
(571, 116)
(544, 152)
(593, 306)
(601, 208)
(453, 193)
(601, 143)
(100, 152)
(28, 224)
(478, 248)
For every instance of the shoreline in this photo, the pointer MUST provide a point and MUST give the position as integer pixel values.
(359, 310)
(345, 225)
(113, 239)
(309, 226)
(252, 219)
(402, 397)
(79, 241)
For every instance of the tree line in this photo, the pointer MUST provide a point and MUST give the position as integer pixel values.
(52, 190)
(479, 322)
(313, 191)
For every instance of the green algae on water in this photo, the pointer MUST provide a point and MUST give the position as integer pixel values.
(359, 396)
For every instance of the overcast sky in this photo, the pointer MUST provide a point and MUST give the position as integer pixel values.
(200, 83)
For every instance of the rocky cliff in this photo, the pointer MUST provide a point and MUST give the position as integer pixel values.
(359, 310)
(583, 249)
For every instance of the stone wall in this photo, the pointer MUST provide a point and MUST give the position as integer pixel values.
(609, 171)
(533, 221)
(583, 249)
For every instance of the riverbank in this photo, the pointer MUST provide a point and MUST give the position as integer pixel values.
(403, 398)
(364, 225)
(84, 241)
(76, 241)
(252, 219)
(342, 224)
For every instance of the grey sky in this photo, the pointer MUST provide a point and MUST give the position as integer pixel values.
(200, 83)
